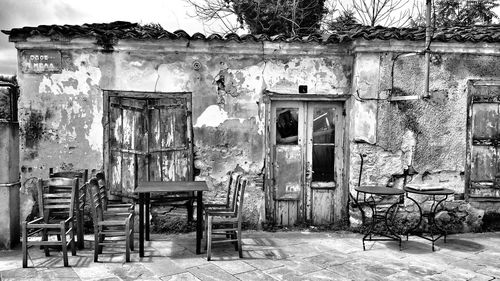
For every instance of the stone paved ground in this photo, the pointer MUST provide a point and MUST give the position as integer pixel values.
(275, 256)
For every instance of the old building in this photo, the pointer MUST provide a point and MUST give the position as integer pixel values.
(292, 113)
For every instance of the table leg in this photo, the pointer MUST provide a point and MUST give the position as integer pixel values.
(199, 221)
(147, 199)
(141, 225)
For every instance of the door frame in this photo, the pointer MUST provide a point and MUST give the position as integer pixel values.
(342, 190)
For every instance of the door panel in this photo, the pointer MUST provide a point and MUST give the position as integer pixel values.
(287, 167)
(287, 137)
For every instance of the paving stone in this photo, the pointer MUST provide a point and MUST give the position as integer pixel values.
(233, 266)
(322, 275)
(255, 275)
(163, 267)
(131, 271)
(354, 271)
(93, 271)
(211, 272)
(186, 276)
(325, 260)
(261, 262)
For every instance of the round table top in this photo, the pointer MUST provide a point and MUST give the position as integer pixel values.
(378, 190)
(441, 191)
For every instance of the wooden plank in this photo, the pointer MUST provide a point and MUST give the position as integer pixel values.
(182, 164)
(322, 206)
(128, 174)
(341, 193)
(154, 145)
(484, 163)
(485, 120)
(115, 177)
(282, 212)
(168, 167)
(293, 212)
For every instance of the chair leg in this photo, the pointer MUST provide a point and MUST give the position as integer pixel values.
(132, 234)
(127, 245)
(206, 231)
(25, 245)
(96, 244)
(240, 247)
(209, 239)
(79, 229)
(64, 245)
(45, 237)
(72, 242)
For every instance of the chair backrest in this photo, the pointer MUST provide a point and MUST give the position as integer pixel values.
(232, 189)
(56, 197)
(240, 192)
(95, 199)
(103, 192)
(82, 175)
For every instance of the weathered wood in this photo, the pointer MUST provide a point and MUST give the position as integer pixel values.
(322, 205)
(155, 151)
(484, 163)
(288, 172)
(485, 120)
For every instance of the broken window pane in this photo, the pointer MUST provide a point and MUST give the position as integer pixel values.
(287, 125)
(323, 145)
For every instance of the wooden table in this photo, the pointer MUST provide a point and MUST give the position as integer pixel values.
(145, 188)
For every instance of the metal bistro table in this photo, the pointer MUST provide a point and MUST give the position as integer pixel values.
(145, 188)
(431, 191)
(388, 234)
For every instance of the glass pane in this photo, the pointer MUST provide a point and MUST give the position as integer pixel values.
(287, 125)
(323, 126)
(323, 145)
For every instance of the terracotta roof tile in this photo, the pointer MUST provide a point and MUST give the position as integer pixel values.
(109, 33)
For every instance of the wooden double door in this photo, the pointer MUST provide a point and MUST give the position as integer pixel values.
(306, 143)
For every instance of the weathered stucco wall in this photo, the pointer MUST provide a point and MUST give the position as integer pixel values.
(61, 114)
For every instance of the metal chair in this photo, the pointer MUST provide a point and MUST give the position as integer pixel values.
(227, 223)
(80, 200)
(56, 200)
(109, 229)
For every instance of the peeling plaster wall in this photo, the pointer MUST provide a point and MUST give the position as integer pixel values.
(60, 121)
(61, 113)
(228, 117)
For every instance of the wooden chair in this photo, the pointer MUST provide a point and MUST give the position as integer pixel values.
(228, 203)
(52, 204)
(80, 200)
(114, 207)
(109, 229)
(227, 222)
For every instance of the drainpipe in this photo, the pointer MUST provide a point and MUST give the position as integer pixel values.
(9, 163)
(427, 49)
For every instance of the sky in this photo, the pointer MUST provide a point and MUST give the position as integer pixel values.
(171, 14)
